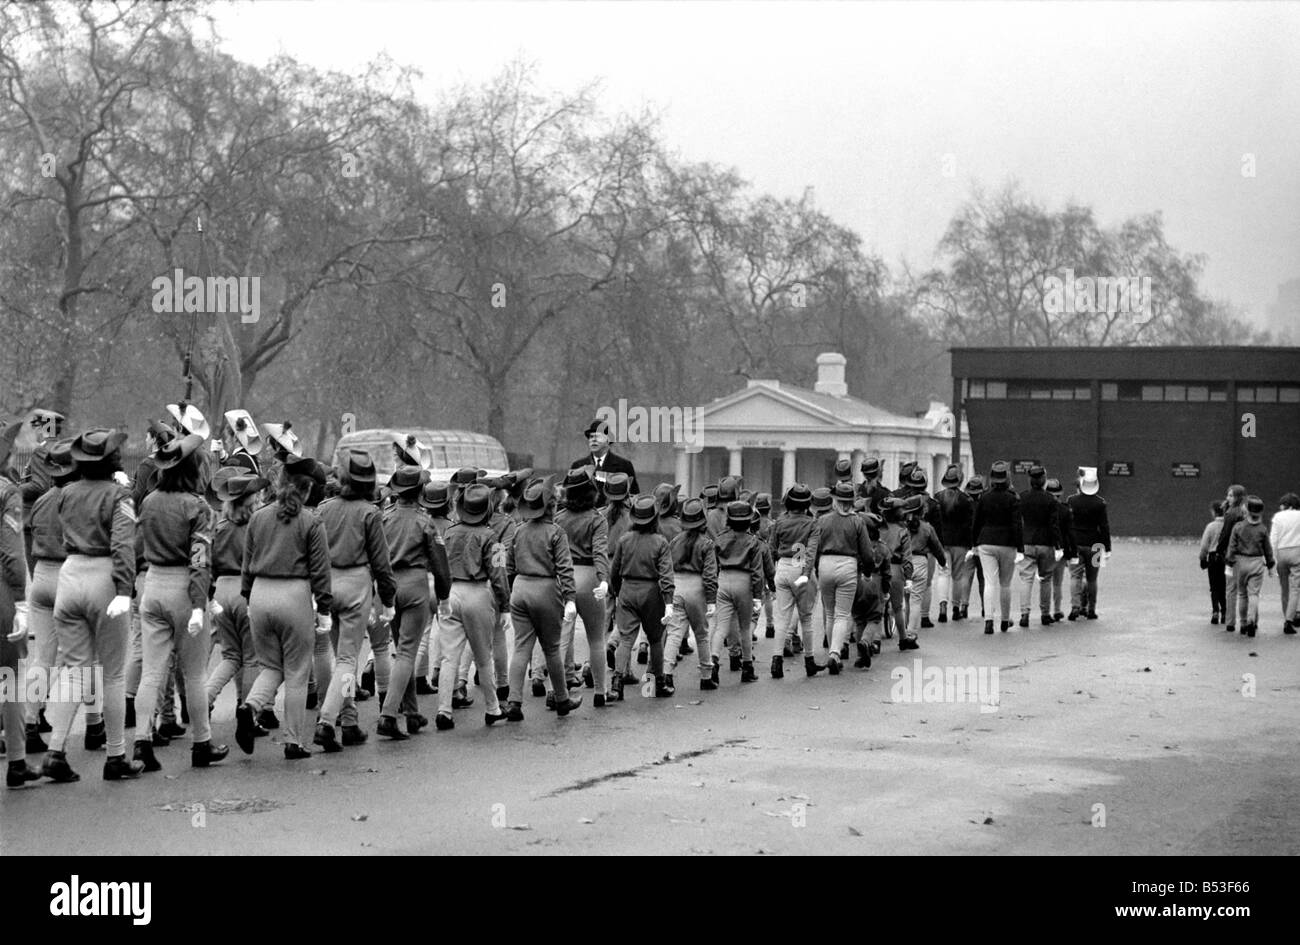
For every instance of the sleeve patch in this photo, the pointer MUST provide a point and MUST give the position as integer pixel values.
(14, 522)
(127, 508)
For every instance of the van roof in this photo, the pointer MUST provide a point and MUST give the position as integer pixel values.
(423, 433)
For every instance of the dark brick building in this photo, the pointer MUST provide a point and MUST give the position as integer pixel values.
(1169, 429)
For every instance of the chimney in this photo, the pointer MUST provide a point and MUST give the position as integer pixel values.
(830, 375)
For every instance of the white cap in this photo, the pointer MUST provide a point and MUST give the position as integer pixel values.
(282, 437)
(190, 420)
(1088, 484)
(246, 434)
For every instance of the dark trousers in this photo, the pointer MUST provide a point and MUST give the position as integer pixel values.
(1218, 584)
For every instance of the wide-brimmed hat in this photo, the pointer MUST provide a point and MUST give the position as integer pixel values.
(357, 466)
(870, 468)
(951, 476)
(710, 493)
(244, 429)
(407, 479)
(537, 497)
(242, 460)
(666, 498)
(843, 468)
(598, 426)
(843, 491)
(189, 419)
(1088, 483)
(473, 505)
(7, 437)
(160, 431)
(617, 486)
(728, 488)
(98, 444)
(436, 496)
(305, 466)
(905, 470)
(579, 482)
(916, 478)
(739, 513)
(644, 509)
(1000, 471)
(763, 502)
(821, 499)
(281, 437)
(236, 485)
(515, 480)
(797, 496)
(467, 475)
(912, 504)
(1037, 473)
(1053, 486)
(693, 514)
(171, 454)
(1254, 509)
(59, 457)
(975, 485)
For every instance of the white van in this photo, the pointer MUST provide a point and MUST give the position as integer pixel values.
(442, 451)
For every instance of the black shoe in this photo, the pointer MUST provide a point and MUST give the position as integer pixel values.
(778, 668)
(958, 613)
(1024, 619)
(415, 721)
(811, 667)
(796, 644)
(204, 754)
(144, 754)
(1006, 625)
(539, 689)
(353, 735)
(1047, 620)
(664, 687)
(1230, 628)
(988, 626)
(787, 651)
(1058, 617)
(244, 726)
(616, 688)
(1250, 632)
(598, 700)
(96, 736)
(160, 740)
(326, 738)
(844, 652)
(735, 662)
(294, 752)
(588, 679)
(56, 768)
(864, 657)
(514, 712)
(943, 611)
(171, 730)
(1288, 628)
(445, 723)
(35, 744)
(686, 649)
(266, 718)
(1214, 618)
(833, 664)
(368, 678)
(550, 702)
(460, 698)
(1074, 614)
(707, 685)
(129, 722)
(643, 654)
(770, 633)
(117, 768)
(422, 687)
(927, 623)
(259, 732)
(502, 693)
(490, 719)
(1091, 615)
(388, 728)
(909, 643)
(20, 772)
(568, 705)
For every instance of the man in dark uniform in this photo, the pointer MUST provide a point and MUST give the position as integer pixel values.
(603, 460)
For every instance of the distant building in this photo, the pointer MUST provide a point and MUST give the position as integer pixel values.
(1282, 317)
(1169, 429)
(774, 434)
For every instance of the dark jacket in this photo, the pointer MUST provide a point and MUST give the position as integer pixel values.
(98, 519)
(297, 548)
(1249, 540)
(1090, 522)
(956, 516)
(643, 556)
(997, 520)
(1065, 521)
(588, 535)
(177, 530)
(1231, 517)
(474, 554)
(697, 555)
(541, 549)
(1042, 525)
(355, 530)
(613, 464)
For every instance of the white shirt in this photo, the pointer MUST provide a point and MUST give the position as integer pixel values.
(1285, 531)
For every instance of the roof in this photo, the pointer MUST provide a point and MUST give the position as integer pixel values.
(804, 407)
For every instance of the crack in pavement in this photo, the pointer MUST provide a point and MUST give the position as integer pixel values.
(669, 758)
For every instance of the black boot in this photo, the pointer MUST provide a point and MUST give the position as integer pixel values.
(833, 664)
(266, 718)
(811, 667)
(568, 705)
(988, 626)
(326, 738)
(445, 723)
(664, 687)
(20, 773)
(96, 736)
(735, 662)
(294, 752)
(1074, 614)
(388, 728)
(943, 611)
(56, 768)
(864, 656)
(35, 744)
(778, 668)
(244, 726)
(514, 712)
(172, 730)
(353, 735)
(616, 687)
(117, 768)
(1006, 625)
(144, 754)
(1024, 619)
(203, 754)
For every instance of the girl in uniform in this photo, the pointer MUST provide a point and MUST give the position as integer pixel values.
(14, 612)
(923, 545)
(840, 549)
(587, 531)
(695, 591)
(641, 575)
(358, 562)
(740, 581)
(93, 598)
(286, 564)
(541, 571)
(176, 523)
(789, 540)
(617, 520)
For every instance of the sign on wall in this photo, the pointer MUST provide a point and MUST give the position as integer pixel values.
(1021, 467)
(1186, 470)
(1119, 467)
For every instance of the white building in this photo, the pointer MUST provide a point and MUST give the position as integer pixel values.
(773, 434)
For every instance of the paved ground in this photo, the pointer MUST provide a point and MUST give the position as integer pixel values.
(1141, 712)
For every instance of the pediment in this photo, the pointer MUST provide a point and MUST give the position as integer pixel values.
(765, 408)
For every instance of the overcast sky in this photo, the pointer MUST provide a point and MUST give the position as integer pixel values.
(1127, 107)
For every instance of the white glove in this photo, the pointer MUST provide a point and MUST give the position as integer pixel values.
(800, 581)
(323, 622)
(19, 630)
(195, 626)
(907, 587)
(600, 590)
(215, 609)
(1074, 560)
(388, 614)
(1020, 556)
(710, 610)
(570, 610)
(444, 608)
(122, 479)
(970, 554)
(1228, 570)
(1059, 554)
(118, 606)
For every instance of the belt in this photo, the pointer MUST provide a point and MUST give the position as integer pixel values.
(526, 574)
(586, 561)
(222, 574)
(469, 580)
(738, 570)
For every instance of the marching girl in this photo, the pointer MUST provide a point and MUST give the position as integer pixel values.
(48, 555)
(587, 531)
(740, 581)
(435, 498)
(820, 505)
(895, 538)
(541, 597)
(641, 577)
(618, 520)
(238, 494)
(478, 593)
(14, 613)
(417, 552)
(922, 545)
(286, 564)
(359, 561)
(840, 549)
(694, 559)
(93, 598)
(763, 505)
(790, 540)
(176, 523)
(504, 521)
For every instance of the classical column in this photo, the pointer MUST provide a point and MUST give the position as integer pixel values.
(789, 469)
(736, 466)
(684, 469)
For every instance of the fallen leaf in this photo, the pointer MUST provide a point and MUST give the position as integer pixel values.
(696, 702)
(519, 827)
(697, 784)
(360, 817)
(170, 777)
(854, 832)
(815, 707)
(988, 820)
(585, 820)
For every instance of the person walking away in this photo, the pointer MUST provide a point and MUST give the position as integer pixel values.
(1249, 555)
(1043, 543)
(695, 592)
(1284, 536)
(998, 535)
(1234, 511)
(1213, 565)
(740, 579)
(1091, 524)
(790, 540)
(641, 578)
(956, 514)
